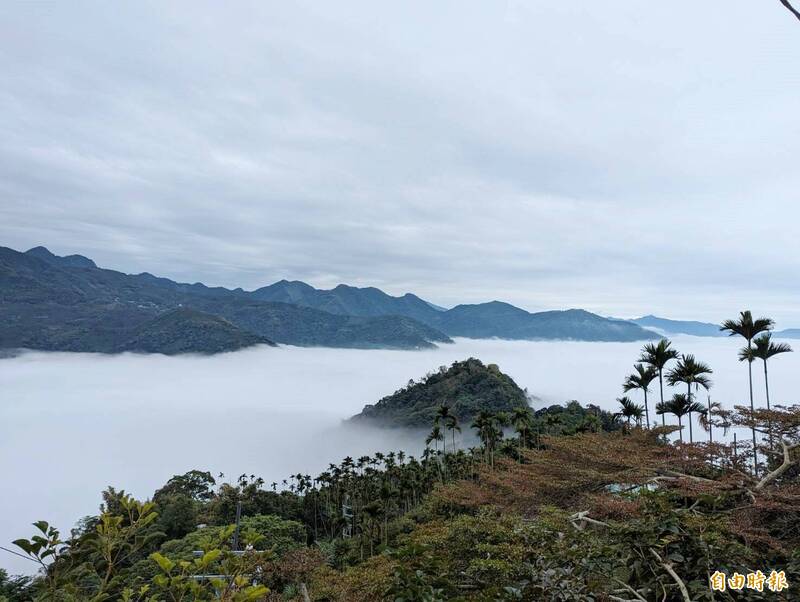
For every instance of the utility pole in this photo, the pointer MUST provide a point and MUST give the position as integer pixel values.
(235, 544)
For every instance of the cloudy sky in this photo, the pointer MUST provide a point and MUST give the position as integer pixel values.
(621, 156)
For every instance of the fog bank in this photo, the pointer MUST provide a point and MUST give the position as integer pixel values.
(72, 424)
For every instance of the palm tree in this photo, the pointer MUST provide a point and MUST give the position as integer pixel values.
(453, 426)
(680, 405)
(443, 414)
(658, 355)
(628, 409)
(662, 408)
(521, 421)
(551, 421)
(691, 372)
(714, 409)
(489, 431)
(763, 349)
(435, 435)
(641, 380)
(638, 414)
(748, 328)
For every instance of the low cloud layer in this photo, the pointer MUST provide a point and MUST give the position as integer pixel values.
(621, 157)
(72, 424)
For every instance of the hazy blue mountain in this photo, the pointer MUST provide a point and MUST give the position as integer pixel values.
(436, 307)
(496, 319)
(467, 387)
(484, 320)
(788, 333)
(297, 325)
(348, 300)
(698, 329)
(73, 261)
(53, 304)
(68, 303)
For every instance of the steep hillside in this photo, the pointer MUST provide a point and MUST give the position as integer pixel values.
(304, 326)
(186, 330)
(467, 387)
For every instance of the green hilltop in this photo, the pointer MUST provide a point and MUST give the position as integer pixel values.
(467, 387)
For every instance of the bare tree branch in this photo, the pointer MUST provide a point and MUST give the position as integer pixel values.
(791, 8)
(631, 590)
(787, 464)
(668, 567)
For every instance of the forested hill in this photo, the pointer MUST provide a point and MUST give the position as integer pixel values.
(185, 330)
(69, 304)
(466, 387)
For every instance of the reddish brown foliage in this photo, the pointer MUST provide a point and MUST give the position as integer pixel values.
(567, 473)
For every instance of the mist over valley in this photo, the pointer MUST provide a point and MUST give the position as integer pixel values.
(268, 411)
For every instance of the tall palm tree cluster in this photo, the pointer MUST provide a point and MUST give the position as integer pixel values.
(358, 498)
(687, 371)
(653, 364)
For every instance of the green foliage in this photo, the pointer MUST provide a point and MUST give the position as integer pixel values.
(227, 577)
(466, 387)
(573, 418)
(14, 588)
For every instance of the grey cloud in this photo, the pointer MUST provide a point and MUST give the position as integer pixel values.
(622, 158)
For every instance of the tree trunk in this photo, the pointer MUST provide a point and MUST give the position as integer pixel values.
(663, 416)
(691, 438)
(680, 430)
(752, 410)
(708, 419)
(769, 420)
(646, 409)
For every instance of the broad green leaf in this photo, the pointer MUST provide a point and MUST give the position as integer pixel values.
(210, 557)
(165, 563)
(42, 525)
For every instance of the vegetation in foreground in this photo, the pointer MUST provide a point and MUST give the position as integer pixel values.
(578, 516)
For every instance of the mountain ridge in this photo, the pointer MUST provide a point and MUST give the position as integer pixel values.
(493, 319)
(69, 303)
(49, 304)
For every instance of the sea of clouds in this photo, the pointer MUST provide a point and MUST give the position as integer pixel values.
(72, 424)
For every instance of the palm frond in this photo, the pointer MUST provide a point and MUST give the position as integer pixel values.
(745, 326)
(764, 348)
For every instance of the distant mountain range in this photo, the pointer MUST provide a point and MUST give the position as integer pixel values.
(698, 329)
(70, 304)
(479, 321)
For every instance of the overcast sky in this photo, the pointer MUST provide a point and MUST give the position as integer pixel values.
(621, 156)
